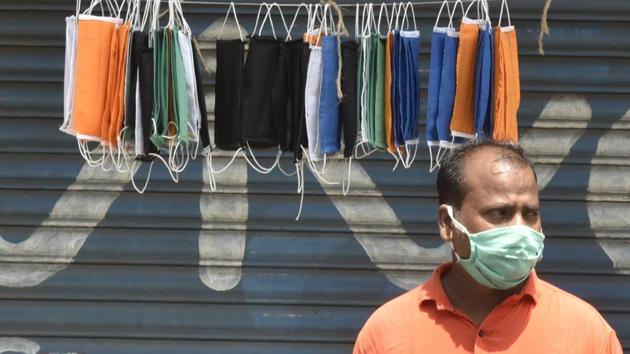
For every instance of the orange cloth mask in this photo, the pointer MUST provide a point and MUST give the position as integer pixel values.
(507, 86)
(91, 75)
(463, 119)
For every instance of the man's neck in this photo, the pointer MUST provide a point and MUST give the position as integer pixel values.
(473, 299)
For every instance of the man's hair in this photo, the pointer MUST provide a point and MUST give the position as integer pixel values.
(451, 181)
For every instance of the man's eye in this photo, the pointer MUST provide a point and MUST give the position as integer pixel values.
(497, 213)
(532, 214)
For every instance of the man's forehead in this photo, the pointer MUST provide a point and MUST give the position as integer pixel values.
(493, 170)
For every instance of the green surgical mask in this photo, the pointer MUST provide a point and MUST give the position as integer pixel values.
(501, 258)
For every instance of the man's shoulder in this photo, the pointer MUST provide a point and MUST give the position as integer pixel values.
(569, 308)
(396, 309)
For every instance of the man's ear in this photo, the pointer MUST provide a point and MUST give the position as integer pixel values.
(445, 226)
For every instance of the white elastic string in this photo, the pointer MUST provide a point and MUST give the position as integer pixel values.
(218, 172)
(78, 8)
(470, 5)
(445, 3)
(212, 179)
(299, 166)
(86, 154)
(256, 165)
(413, 158)
(175, 177)
(297, 12)
(313, 168)
(282, 169)
(258, 15)
(413, 14)
(507, 11)
(390, 23)
(395, 158)
(233, 8)
(380, 13)
(450, 20)
(356, 22)
(132, 174)
(345, 188)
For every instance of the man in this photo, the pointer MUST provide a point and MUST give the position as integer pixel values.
(489, 299)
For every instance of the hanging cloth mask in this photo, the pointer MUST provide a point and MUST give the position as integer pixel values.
(160, 120)
(204, 133)
(180, 93)
(365, 59)
(376, 117)
(228, 129)
(438, 37)
(261, 127)
(348, 107)
(91, 74)
(117, 110)
(329, 121)
(186, 51)
(140, 99)
(462, 121)
(312, 97)
(483, 80)
(507, 87)
(297, 65)
(446, 96)
(69, 68)
(388, 109)
(407, 92)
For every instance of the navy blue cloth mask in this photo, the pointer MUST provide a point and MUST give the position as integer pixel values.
(329, 122)
(483, 84)
(435, 77)
(410, 85)
(399, 140)
(446, 97)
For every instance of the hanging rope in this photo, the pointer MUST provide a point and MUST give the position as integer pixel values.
(544, 28)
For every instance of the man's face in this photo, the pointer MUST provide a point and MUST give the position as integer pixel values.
(502, 191)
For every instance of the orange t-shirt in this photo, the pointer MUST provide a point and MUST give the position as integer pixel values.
(539, 319)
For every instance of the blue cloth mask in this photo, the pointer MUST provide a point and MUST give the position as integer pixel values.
(435, 77)
(328, 102)
(446, 97)
(410, 85)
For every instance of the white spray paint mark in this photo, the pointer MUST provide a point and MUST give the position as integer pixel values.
(390, 252)
(577, 110)
(18, 345)
(52, 248)
(221, 252)
(559, 108)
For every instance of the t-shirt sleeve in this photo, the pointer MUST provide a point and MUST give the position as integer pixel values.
(611, 344)
(370, 338)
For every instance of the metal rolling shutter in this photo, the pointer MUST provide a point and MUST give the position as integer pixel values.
(88, 265)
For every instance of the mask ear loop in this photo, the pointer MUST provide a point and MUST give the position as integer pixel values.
(213, 172)
(405, 21)
(345, 188)
(452, 15)
(313, 168)
(299, 167)
(380, 13)
(258, 16)
(227, 14)
(471, 5)
(262, 24)
(256, 165)
(507, 11)
(297, 12)
(448, 9)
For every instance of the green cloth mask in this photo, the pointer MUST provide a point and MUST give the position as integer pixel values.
(377, 94)
(501, 258)
(160, 89)
(180, 95)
